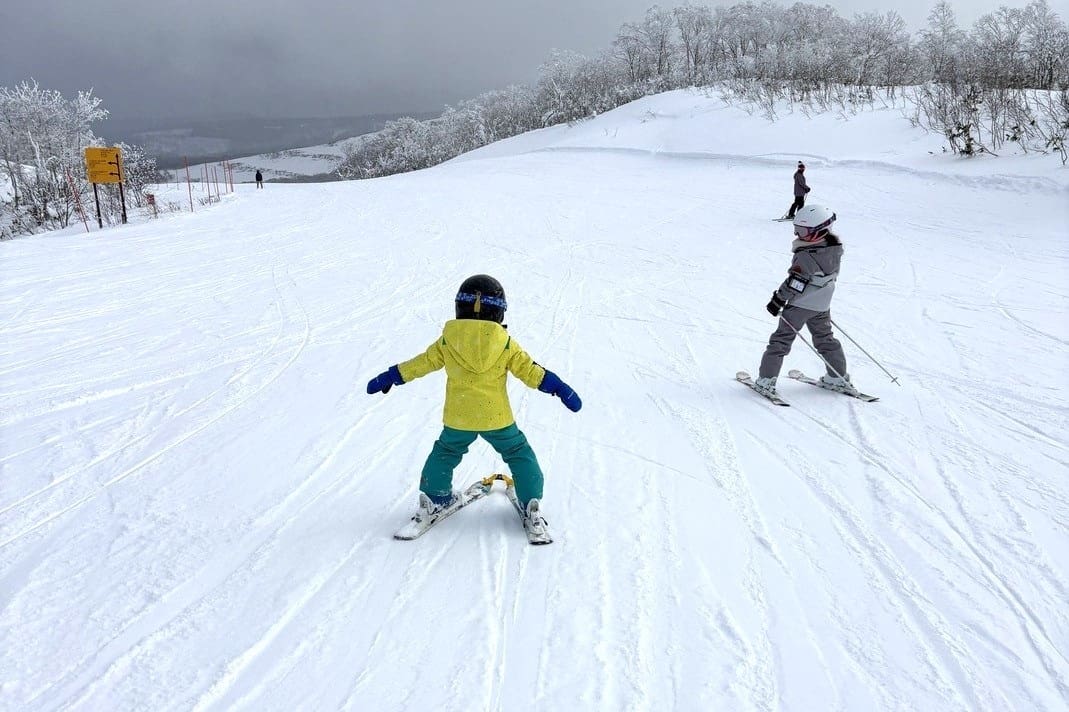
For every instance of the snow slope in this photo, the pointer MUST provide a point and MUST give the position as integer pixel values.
(197, 496)
(699, 125)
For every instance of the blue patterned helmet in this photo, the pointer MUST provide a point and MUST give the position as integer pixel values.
(481, 297)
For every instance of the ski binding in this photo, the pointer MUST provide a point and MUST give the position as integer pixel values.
(744, 378)
(852, 392)
(418, 525)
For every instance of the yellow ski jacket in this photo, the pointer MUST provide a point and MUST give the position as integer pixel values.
(477, 355)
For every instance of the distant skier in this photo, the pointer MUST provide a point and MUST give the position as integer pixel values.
(478, 353)
(805, 300)
(800, 189)
(259, 179)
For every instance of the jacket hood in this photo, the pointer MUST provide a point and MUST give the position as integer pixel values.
(476, 344)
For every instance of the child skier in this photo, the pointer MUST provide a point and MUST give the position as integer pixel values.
(477, 352)
(805, 299)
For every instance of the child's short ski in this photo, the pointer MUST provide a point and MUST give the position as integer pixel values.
(535, 526)
(419, 524)
(537, 533)
(781, 219)
(744, 378)
(846, 391)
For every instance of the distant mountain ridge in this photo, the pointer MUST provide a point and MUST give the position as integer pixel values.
(171, 142)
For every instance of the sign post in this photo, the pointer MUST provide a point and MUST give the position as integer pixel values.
(104, 165)
(122, 195)
(96, 196)
(189, 186)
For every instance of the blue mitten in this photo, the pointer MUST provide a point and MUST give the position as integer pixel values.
(552, 384)
(386, 380)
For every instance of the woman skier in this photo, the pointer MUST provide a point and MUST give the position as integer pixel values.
(800, 190)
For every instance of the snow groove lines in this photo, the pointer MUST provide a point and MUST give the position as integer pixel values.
(132, 429)
(975, 538)
(1061, 342)
(1043, 647)
(494, 571)
(606, 613)
(563, 306)
(231, 584)
(886, 575)
(238, 390)
(723, 491)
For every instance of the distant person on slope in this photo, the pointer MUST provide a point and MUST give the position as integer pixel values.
(478, 354)
(800, 189)
(804, 299)
(259, 179)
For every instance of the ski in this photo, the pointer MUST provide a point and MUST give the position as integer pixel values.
(417, 526)
(852, 392)
(537, 531)
(744, 378)
(781, 219)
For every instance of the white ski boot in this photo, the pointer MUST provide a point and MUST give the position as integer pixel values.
(766, 386)
(428, 511)
(535, 524)
(837, 383)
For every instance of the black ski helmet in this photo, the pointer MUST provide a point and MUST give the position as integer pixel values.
(481, 297)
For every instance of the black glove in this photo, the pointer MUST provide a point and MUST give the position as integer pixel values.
(775, 305)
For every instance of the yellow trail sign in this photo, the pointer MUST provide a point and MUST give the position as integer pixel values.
(103, 165)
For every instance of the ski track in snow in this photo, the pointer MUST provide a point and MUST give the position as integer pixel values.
(198, 497)
(252, 371)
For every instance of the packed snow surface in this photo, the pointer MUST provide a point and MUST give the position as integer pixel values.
(197, 496)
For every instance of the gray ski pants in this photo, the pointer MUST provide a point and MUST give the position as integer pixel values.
(779, 345)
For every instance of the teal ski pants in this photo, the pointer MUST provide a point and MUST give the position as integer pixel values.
(510, 443)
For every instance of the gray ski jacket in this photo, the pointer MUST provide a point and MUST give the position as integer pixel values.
(810, 282)
(800, 187)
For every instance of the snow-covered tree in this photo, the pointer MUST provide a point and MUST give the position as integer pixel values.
(573, 87)
(942, 44)
(139, 171)
(995, 54)
(694, 25)
(876, 42)
(42, 139)
(1045, 46)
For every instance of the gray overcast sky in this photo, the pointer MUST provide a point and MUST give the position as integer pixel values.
(295, 58)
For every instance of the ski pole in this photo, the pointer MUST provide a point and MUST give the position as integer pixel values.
(811, 346)
(893, 379)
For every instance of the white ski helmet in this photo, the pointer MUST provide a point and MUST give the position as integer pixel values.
(813, 222)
